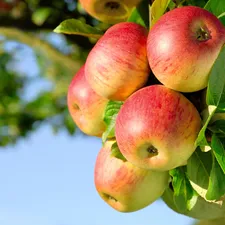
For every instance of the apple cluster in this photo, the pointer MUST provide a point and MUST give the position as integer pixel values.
(157, 125)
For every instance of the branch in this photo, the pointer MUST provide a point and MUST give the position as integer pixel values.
(36, 43)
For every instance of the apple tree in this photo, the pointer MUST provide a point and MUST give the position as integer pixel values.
(26, 31)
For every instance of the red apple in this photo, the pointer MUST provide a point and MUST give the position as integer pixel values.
(117, 66)
(156, 128)
(182, 47)
(85, 106)
(109, 11)
(124, 186)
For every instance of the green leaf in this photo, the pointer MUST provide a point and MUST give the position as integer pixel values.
(158, 8)
(77, 27)
(219, 150)
(216, 86)
(221, 17)
(199, 3)
(111, 109)
(216, 187)
(69, 123)
(199, 166)
(218, 127)
(184, 195)
(41, 15)
(115, 152)
(201, 139)
(109, 118)
(217, 7)
(140, 14)
(110, 129)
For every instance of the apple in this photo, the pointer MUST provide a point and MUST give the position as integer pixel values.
(182, 47)
(202, 209)
(85, 106)
(124, 186)
(113, 11)
(117, 65)
(156, 128)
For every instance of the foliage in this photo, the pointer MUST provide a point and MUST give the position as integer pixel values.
(30, 25)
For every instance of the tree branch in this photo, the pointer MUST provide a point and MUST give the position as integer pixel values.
(36, 43)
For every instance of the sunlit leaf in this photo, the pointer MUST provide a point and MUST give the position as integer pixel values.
(77, 27)
(157, 10)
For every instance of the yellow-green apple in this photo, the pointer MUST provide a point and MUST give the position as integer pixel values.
(117, 65)
(109, 11)
(182, 47)
(202, 209)
(85, 106)
(156, 128)
(123, 186)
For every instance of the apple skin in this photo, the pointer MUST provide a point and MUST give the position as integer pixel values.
(113, 11)
(85, 106)
(123, 186)
(179, 54)
(117, 65)
(156, 128)
(202, 210)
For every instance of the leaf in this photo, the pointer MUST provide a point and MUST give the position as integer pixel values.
(77, 27)
(217, 7)
(208, 114)
(41, 15)
(69, 123)
(115, 152)
(184, 195)
(140, 14)
(216, 86)
(110, 130)
(199, 3)
(109, 118)
(158, 8)
(219, 150)
(199, 166)
(218, 127)
(216, 187)
(221, 17)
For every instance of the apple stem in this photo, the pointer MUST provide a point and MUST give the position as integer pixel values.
(203, 34)
(152, 150)
(112, 5)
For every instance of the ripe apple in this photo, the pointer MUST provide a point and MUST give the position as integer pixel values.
(123, 186)
(202, 209)
(156, 128)
(182, 47)
(113, 11)
(117, 65)
(85, 106)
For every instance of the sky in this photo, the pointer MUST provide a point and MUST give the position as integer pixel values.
(48, 179)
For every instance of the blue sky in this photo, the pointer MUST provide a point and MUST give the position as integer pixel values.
(47, 179)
